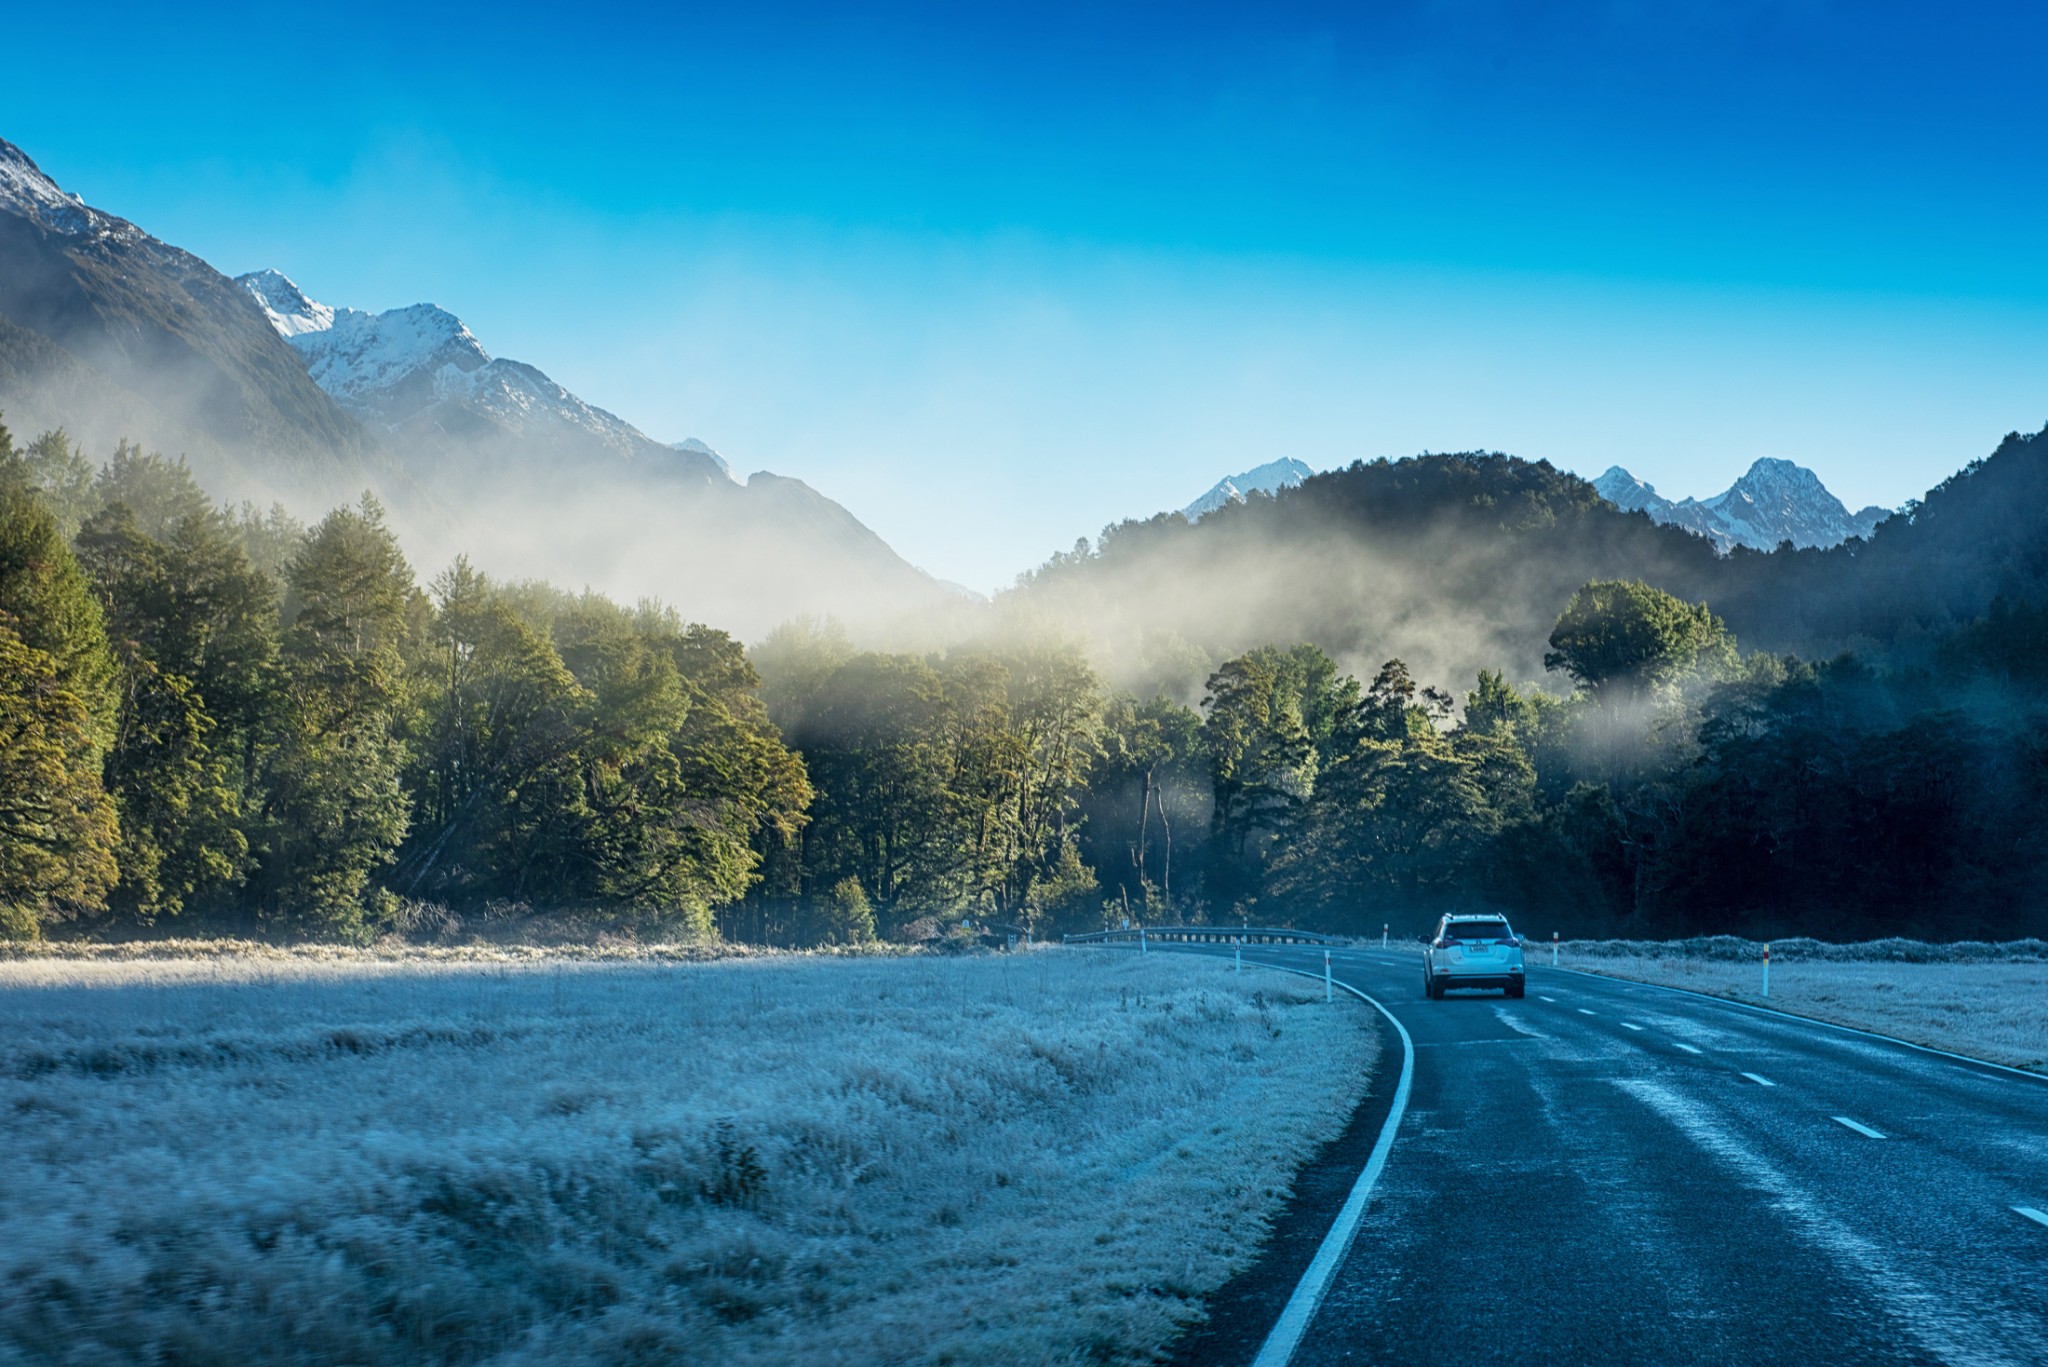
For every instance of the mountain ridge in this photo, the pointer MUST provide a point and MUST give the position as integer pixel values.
(111, 333)
(418, 373)
(162, 335)
(1773, 502)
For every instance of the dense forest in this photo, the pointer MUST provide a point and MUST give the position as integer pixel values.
(219, 720)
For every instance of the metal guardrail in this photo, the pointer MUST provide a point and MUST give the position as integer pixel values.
(1204, 935)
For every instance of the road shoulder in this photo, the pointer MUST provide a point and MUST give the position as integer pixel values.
(1242, 1311)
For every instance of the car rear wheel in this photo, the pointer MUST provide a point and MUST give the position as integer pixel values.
(1517, 989)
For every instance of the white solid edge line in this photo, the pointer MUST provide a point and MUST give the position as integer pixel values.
(1759, 1080)
(1627, 1025)
(1308, 1292)
(1806, 1020)
(2038, 1217)
(1863, 1130)
(1687, 1047)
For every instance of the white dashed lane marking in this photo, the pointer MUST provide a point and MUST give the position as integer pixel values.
(1760, 1081)
(1687, 1047)
(1630, 1025)
(2038, 1217)
(1551, 1000)
(1863, 1130)
(1584, 1012)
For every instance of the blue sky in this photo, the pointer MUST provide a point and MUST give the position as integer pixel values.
(994, 277)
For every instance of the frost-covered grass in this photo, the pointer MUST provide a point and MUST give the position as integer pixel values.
(392, 951)
(1735, 949)
(1982, 1004)
(1044, 1157)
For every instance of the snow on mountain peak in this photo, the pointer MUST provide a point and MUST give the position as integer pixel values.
(395, 366)
(1625, 491)
(369, 361)
(1269, 478)
(285, 304)
(27, 192)
(1774, 501)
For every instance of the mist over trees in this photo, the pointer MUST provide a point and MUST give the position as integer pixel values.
(1461, 563)
(220, 720)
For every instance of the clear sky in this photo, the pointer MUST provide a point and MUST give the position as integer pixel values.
(996, 276)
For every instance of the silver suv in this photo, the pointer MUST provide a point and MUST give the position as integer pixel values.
(1472, 951)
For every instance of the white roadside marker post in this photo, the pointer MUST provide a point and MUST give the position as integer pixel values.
(1383, 936)
(1553, 949)
(1328, 994)
(1141, 941)
(1767, 968)
(1237, 952)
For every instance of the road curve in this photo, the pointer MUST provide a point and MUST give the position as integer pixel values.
(1612, 1172)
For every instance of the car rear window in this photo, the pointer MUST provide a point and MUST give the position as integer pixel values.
(1478, 930)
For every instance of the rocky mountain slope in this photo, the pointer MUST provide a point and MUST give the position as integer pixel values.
(111, 332)
(1775, 501)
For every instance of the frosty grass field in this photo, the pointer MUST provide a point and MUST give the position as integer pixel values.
(1043, 1157)
(1983, 1001)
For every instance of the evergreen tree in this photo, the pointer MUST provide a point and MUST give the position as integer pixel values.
(59, 471)
(58, 828)
(495, 774)
(194, 628)
(335, 809)
(848, 918)
(1275, 718)
(1628, 638)
(160, 493)
(876, 743)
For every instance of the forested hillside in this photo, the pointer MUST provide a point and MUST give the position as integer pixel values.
(218, 719)
(1458, 563)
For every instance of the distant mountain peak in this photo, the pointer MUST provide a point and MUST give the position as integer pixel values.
(1621, 488)
(1269, 478)
(695, 447)
(285, 304)
(382, 366)
(421, 366)
(1773, 502)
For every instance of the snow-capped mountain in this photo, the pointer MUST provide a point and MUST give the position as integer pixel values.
(1269, 478)
(113, 333)
(419, 374)
(27, 193)
(1775, 501)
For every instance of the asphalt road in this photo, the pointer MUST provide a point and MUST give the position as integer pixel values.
(1612, 1172)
